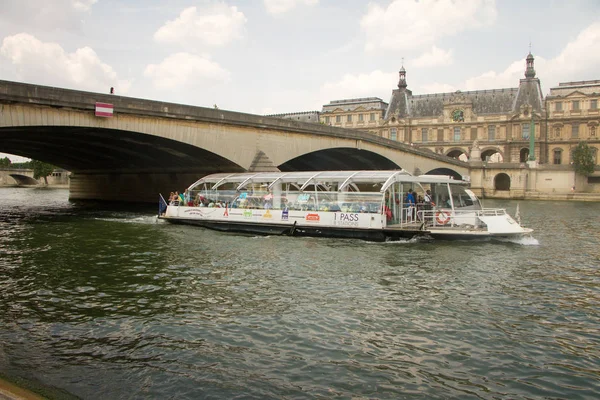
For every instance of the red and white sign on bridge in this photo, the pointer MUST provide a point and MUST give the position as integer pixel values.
(104, 110)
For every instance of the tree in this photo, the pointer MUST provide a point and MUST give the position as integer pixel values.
(5, 162)
(583, 159)
(41, 170)
(21, 165)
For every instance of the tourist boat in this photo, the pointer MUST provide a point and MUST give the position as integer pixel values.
(368, 205)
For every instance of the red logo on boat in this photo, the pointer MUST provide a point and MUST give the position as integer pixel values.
(313, 217)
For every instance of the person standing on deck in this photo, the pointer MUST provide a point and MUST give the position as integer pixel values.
(428, 206)
(410, 205)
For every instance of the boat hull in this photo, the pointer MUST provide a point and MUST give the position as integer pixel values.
(375, 235)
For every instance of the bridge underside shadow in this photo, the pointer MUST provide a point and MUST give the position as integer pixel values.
(93, 149)
(342, 159)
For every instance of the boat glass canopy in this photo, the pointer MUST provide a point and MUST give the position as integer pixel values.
(304, 179)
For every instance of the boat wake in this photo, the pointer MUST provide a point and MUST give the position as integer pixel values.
(415, 239)
(135, 220)
(523, 240)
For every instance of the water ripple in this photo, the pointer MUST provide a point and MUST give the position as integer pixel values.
(112, 304)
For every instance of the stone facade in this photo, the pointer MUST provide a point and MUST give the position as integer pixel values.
(365, 114)
(498, 123)
(448, 123)
(573, 116)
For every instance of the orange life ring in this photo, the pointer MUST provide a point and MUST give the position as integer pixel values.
(442, 218)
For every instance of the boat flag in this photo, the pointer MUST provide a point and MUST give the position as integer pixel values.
(104, 110)
(162, 205)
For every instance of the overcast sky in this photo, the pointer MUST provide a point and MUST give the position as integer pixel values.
(277, 56)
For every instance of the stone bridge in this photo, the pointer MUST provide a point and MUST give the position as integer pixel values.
(148, 147)
(17, 177)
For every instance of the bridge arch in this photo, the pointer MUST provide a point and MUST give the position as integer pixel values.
(458, 153)
(340, 158)
(502, 181)
(445, 171)
(492, 155)
(100, 149)
(23, 179)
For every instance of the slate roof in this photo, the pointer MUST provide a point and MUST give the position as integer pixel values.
(496, 101)
(484, 102)
(530, 93)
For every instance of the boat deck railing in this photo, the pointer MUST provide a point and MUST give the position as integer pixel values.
(442, 218)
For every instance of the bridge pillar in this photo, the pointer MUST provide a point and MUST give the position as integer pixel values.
(129, 187)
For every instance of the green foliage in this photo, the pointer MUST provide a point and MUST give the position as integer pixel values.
(41, 169)
(21, 165)
(583, 159)
(5, 162)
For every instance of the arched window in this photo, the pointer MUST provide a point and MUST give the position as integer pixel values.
(524, 155)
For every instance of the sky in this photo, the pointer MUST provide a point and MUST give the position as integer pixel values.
(279, 56)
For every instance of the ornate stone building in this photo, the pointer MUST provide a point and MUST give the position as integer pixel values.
(365, 114)
(573, 116)
(449, 123)
(501, 120)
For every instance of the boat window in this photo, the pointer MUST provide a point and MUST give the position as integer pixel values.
(463, 198)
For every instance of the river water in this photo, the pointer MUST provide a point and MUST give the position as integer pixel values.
(101, 302)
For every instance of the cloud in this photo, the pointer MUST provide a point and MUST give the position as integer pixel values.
(184, 69)
(437, 88)
(362, 85)
(579, 60)
(275, 7)
(497, 80)
(48, 64)
(214, 25)
(435, 57)
(411, 24)
(45, 15)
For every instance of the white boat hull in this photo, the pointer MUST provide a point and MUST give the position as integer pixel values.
(368, 226)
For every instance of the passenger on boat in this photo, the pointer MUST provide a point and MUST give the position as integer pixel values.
(410, 206)
(175, 199)
(387, 212)
(428, 206)
(335, 208)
